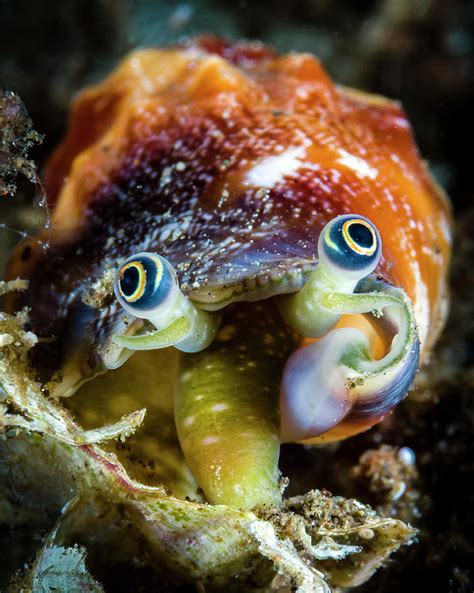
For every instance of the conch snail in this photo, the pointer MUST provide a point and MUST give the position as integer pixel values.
(279, 230)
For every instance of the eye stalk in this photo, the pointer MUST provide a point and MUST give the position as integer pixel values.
(349, 249)
(334, 386)
(350, 244)
(147, 287)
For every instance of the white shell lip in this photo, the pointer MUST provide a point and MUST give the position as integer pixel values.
(314, 394)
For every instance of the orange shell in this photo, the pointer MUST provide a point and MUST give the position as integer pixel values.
(343, 150)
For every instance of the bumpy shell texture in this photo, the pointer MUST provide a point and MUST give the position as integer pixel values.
(228, 160)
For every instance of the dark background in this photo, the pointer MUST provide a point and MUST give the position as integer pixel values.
(417, 51)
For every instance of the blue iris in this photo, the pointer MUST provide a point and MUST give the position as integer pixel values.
(352, 243)
(144, 281)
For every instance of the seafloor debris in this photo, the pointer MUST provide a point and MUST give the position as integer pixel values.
(16, 138)
(389, 476)
(57, 569)
(84, 495)
(388, 470)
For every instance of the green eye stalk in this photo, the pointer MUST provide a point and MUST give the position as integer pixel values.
(146, 286)
(335, 381)
(349, 249)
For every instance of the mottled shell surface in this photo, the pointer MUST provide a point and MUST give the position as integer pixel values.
(228, 160)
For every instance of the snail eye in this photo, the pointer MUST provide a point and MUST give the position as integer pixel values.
(360, 236)
(351, 243)
(132, 281)
(143, 282)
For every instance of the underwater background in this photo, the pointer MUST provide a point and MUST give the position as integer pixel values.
(417, 51)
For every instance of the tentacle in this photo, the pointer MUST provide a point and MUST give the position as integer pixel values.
(226, 407)
(161, 338)
(334, 384)
(188, 334)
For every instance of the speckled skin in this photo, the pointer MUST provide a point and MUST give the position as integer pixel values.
(226, 410)
(228, 160)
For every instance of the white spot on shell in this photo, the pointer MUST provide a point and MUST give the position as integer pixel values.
(359, 166)
(271, 170)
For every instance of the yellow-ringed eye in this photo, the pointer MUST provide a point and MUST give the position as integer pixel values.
(132, 281)
(360, 236)
(144, 282)
(350, 243)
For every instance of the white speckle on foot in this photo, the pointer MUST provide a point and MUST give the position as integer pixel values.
(227, 333)
(209, 440)
(219, 407)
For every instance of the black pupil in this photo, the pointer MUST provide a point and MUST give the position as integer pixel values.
(361, 235)
(129, 281)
